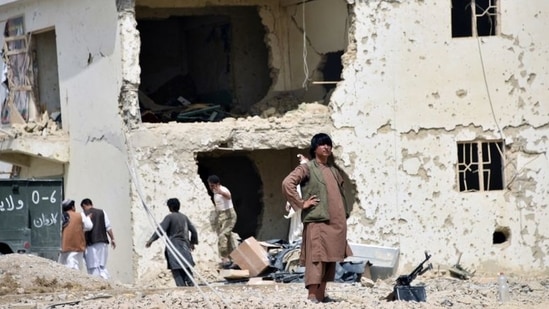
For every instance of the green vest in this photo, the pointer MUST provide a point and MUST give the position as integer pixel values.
(315, 185)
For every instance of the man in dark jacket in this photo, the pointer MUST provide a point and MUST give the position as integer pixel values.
(177, 227)
(97, 240)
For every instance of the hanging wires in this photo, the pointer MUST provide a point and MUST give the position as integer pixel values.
(305, 65)
(162, 234)
(488, 89)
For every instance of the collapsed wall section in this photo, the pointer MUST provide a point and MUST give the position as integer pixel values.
(246, 58)
(174, 160)
(398, 117)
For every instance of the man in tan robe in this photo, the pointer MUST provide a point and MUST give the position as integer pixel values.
(324, 215)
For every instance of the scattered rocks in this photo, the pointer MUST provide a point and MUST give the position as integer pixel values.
(28, 281)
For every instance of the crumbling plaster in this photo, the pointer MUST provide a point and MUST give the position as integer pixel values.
(417, 92)
(409, 93)
(284, 27)
(402, 163)
(165, 166)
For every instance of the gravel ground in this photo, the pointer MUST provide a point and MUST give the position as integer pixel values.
(28, 281)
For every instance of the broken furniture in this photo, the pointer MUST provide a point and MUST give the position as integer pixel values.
(459, 271)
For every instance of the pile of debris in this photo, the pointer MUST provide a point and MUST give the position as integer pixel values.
(47, 125)
(179, 109)
(278, 261)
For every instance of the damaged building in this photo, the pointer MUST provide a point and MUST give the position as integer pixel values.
(437, 110)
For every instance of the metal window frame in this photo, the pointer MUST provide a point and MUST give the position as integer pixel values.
(466, 165)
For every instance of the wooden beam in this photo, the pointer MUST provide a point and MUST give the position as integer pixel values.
(293, 2)
(320, 82)
(15, 38)
(15, 116)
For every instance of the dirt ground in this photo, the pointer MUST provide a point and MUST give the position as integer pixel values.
(28, 281)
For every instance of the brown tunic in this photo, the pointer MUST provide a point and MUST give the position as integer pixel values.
(322, 241)
(72, 238)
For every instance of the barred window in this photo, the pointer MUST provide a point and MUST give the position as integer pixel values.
(480, 166)
(473, 18)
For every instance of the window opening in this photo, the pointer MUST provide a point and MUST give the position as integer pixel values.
(473, 18)
(480, 166)
(331, 69)
(46, 77)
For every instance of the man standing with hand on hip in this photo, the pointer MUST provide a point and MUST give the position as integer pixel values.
(324, 215)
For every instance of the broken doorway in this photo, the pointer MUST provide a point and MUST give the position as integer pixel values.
(255, 181)
(201, 64)
(238, 173)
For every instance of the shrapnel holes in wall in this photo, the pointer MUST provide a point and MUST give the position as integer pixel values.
(473, 18)
(501, 235)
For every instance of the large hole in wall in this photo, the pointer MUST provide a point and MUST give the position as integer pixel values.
(201, 64)
(255, 181)
(501, 235)
(229, 59)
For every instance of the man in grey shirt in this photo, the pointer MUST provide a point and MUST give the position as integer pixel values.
(177, 227)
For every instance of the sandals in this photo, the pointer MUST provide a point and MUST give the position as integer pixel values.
(326, 299)
(313, 300)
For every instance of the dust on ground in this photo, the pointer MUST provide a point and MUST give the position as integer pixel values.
(28, 281)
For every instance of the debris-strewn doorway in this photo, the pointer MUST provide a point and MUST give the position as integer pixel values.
(237, 172)
(255, 180)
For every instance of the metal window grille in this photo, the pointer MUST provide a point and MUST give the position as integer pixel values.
(480, 166)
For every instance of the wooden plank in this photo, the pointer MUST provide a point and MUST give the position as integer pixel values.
(16, 52)
(15, 38)
(21, 88)
(234, 273)
(15, 116)
(260, 281)
(319, 82)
